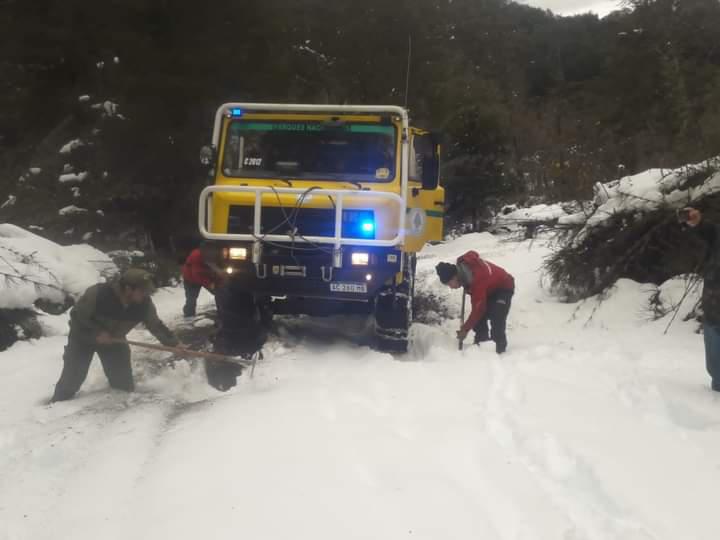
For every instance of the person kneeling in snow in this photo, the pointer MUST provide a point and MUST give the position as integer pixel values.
(197, 274)
(490, 288)
(102, 317)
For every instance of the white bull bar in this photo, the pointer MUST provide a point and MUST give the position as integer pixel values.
(338, 240)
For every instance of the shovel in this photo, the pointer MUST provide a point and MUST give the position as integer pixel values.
(218, 377)
(188, 352)
(462, 319)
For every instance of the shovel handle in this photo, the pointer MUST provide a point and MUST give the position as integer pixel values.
(185, 352)
(462, 319)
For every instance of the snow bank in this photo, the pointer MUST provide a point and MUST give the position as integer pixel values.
(34, 268)
(681, 294)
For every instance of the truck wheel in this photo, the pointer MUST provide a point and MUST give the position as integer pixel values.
(265, 310)
(393, 313)
(241, 329)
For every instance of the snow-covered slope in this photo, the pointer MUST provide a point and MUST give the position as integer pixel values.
(33, 268)
(595, 425)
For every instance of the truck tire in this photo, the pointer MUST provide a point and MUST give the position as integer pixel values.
(241, 330)
(393, 313)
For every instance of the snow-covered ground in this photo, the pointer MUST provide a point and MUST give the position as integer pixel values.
(594, 426)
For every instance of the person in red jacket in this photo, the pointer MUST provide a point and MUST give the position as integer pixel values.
(197, 274)
(491, 290)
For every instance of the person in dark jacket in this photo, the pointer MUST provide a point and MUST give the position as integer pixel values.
(105, 313)
(196, 275)
(709, 233)
(491, 290)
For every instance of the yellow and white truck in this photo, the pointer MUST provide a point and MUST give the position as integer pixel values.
(320, 210)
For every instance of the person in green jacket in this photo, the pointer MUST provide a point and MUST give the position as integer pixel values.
(105, 313)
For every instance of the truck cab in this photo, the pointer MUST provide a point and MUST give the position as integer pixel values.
(320, 210)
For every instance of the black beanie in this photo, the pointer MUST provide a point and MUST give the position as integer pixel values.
(446, 272)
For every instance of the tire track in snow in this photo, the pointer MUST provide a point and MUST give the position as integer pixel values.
(568, 479)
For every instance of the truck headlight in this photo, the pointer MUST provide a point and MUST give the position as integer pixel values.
(359, 258)
(237, 253)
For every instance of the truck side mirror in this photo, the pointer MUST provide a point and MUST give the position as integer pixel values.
(207, 156)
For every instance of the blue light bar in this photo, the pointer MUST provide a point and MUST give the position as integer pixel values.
(236, 112)
(368, 226)
(358, 224)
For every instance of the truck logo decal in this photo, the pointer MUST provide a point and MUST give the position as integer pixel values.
(416, 221)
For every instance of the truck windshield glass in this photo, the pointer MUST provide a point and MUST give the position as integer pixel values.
(351, 151)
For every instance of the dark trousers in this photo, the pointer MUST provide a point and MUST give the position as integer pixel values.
(192, 291)
(115, 360)
(712, 353)
(496, 313)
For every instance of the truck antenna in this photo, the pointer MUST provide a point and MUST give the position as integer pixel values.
(407, 76)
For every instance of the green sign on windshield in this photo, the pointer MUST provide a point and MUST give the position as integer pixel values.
(312, 127)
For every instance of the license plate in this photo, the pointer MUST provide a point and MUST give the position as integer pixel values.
(348, 287)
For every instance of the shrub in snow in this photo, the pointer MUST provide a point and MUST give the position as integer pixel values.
(38, 273)
(632, 231)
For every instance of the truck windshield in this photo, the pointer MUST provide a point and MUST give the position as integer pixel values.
(352, 151)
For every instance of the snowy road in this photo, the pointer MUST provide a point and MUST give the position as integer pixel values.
(583, 430)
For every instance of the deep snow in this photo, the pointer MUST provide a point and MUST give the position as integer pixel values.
(595, 425)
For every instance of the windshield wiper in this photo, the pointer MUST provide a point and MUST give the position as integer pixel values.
(290, 168)
(338, 178)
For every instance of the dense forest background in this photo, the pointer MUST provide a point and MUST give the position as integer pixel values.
(533, 105)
